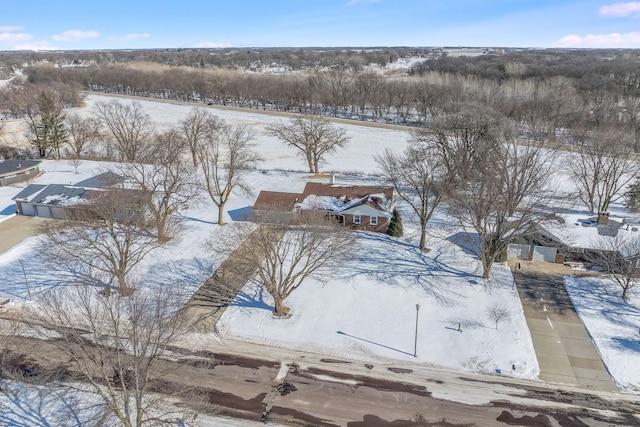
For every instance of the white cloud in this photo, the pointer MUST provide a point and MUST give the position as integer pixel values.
(212, 44)
(621, 9)
(8, 38)
(73, 35)
(10, 28)
(613, 40)
(132, 36)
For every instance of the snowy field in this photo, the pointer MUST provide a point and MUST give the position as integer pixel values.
(367, 309)
(356, 157)
(612, 324)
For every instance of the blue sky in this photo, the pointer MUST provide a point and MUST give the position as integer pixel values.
(120, 24)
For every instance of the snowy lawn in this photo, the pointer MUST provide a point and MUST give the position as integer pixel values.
(183, 262)
(367, 311)
(614, 326)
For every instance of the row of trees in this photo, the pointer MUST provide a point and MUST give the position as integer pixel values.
(542, 106)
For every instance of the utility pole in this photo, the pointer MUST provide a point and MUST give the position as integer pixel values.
(415, 341)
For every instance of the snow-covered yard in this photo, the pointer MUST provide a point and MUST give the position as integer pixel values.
(613, 324)
(367, 311)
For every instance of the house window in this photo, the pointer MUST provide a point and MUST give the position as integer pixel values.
(373, 220)
(356, 219)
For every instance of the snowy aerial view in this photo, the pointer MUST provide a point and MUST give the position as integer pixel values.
(341, 213)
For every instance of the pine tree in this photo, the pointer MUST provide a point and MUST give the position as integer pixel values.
(395, 225)
(49, 132)
(632, 196)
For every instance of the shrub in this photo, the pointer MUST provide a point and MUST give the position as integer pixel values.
(395, 225)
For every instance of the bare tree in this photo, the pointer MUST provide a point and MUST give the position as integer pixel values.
(224, 158)
(462, 141)
(165, 175)
(74, 160)
(198, 126)
(619, 257)
(109, 235)
(497, 314)
(129, 125)
(82, 132)
(603, 166)
(314, 137)
(499, 197)
(114, 344)
(287, 251)
(416, 176)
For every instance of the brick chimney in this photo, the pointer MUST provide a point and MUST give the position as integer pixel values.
(603, 218)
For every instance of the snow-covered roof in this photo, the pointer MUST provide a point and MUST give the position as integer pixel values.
(371, 204)
(331, 198)
(53, 194)
(576, 231)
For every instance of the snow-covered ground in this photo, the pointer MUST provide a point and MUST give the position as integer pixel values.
(366, 310)
(612, 324)
(356, 157)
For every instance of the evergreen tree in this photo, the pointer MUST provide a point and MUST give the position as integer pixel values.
(395, 225)
(632, 196)
(49, 132)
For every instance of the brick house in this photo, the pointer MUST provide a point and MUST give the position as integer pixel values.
(357, 207)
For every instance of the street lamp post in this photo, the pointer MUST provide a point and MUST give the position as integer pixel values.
(415, 341)
(24, 273)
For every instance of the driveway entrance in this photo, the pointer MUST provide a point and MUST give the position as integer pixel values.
(563, 347)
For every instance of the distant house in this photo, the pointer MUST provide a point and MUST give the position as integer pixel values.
(357, 207)
(14, 171)
(56, 200)
(573, 237)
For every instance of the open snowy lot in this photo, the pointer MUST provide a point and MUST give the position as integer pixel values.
(613, 325)
(367, 311)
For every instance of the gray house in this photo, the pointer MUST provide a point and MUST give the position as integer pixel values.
(14, 171)
(55, 200)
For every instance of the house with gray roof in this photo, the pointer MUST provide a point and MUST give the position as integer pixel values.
(55, 200)
(14, 171)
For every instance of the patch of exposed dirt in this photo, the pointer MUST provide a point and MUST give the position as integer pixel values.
(400, 370)
(295, 417)
(377, 384)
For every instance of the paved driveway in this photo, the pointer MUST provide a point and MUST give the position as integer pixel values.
(17, 228)
(563, 347)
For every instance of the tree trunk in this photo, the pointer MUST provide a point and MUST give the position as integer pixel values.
(624, 293)
(221, 214)
(280, 309)
(310, 162)
(486, 267)
(194, 157)
(123, 288)
(423, 235)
